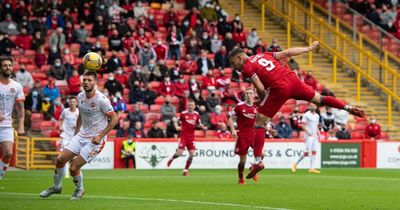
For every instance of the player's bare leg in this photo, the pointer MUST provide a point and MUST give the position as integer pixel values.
(294, 167)
(335, 103)
(177, 154)
(77, 177)
(259, 140)
(5, 159)
(62, 159)
(188, 163)
(241, 165)
(312, 159)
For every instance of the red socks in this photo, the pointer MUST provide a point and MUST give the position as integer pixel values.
(188, 162)
(259, 139)
(240, 170)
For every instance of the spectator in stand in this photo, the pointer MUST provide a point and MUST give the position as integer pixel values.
(132, 59)
(168, 110)
(99, 27)
(136, 115)
(40, 57)
(388, 17)
(229, 97)
(343, 133)
(115, 41)
(236, 76)
(223, 132)
(223, 81)
(162, 68)
(23, 40)
(221, 58)
(81, 33)
(74, 83)
(193, 17)
(252, 39)
(170, 18)
(373, 15)
(57, 39)
(373, 129)
(37, 41)
(55, 110)
(24, 78)
(188, 66)
(55, 20)
(172, 128)
(148, 95)
(113, 85)
(212, 101)
(217, 118)
(141, 38)
(229, 42)
(85, 48)
(161, 50)
(151, 23)
(259, 48)
(125, 130)
(121, 77)
(53, 55)
(115, 11)
(155, 131)
(68, 57)
(113, 63)
(295, 120)
(328, 119)
(198, 98)
(139, 10)
(69, 33)
(204, 115)
(33, 103)
(8, 26)
(192, 44)
(175, 72)
(332, 135)
(223, 26)
(137, 75)
(209, 81)
(128, 151)
(180, 87)
(240, 38)
(135, 93)
(174, 39)
(138, 131)
(274, 47)
(151, 72)
(293, 64)
(284, 129)
(146, 54)
(204, 64)
(205, 42)
(40, 8)
(220, 12)
(310, 80)
(215, 43)
(6, 45)
(118, 103)
(237, 24)
(208, 12)
(58, 71)
(167, 87)
(341, 117)
(98, 49)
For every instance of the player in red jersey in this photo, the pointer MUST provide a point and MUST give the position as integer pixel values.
(275, 84)
(245, 114)
(189, 119)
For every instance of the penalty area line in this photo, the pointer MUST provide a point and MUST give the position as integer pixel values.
(157, 199)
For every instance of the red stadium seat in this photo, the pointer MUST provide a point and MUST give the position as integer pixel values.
(360, 127)
(130, 108)
(155, 108)
(210, 133)
(357, 135)
(112, 134)
(160, 100)
(152, 116)
(44, 68)
(123, 116)
(199, 133)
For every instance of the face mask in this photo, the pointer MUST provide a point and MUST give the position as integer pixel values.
(215, 37)
(111, 78)
(205, 36)
(98, 45)
(343, 129)
(106, 94)
(151, 65)
(237, 18)
(118, 95)
(141, 32)
(185, 23)
(102, 6)
(296, 111)
(35, 93)
(197, 95)
(182, 81)
(138, 70)
(218, 111)
(167, 79)
(217, 8)
(329, 113)
(22, 70)
(159, 42)
(130, 141)
(57, 102)
(373, 121)
(151, 17)
(66, 51)
(192, 80)
(254, 33)
(119, 72)
(57, 64)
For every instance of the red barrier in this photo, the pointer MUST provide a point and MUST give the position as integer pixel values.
(369, 154)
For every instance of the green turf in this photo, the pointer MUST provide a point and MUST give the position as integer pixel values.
(208, 189)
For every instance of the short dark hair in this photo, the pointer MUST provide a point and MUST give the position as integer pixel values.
(90, 73)
(234, 52)
(5, 58)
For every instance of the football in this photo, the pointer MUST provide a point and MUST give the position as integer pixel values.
(92, 61)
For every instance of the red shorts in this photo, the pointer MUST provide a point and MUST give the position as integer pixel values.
(290, 86)
(186, 142)
(243, 144)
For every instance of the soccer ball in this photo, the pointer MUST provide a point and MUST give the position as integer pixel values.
(92, 61)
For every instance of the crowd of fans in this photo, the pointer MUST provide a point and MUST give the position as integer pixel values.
(143, 43)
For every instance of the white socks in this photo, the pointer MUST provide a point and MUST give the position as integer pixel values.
(58, 175)
(78, 181)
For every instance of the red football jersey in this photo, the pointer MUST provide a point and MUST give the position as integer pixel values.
(189, 122)
(245, 118)
(267, 68)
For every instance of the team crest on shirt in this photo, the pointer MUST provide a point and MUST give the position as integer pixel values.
(92, 105)
(12, 90)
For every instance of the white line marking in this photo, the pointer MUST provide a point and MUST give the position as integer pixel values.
(157, 199)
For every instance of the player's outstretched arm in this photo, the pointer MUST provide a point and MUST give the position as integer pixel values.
(296, 51)
(21, 117)
(232, 126)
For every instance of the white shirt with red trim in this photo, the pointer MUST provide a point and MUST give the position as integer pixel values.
(9, 94)
(94, 112)
(69, 124)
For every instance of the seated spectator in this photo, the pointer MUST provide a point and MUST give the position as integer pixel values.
(205, 42)
(223, 26)
(24, 40)
(85, 47)
(209, 81)
(188, 66)
(198, 98)
(341, 116)
(128, 42)
(172, 128)
(239, 37)
(128, 151)
(293, 64)
(295, 120)
(223, 132)
(167, 87)
(132, 59)
(170, 18)
(53, 55)
(55, 109)
(212, 101)
(136, 94)
(24, 78)
(259, 48)
(55, 20)
(115, 41)
(59, 72)
(373, 129)
(204, 116)
(68, 57)
(139, 10)
(113, 85)
(332, 136)
(310, 80)
(192, 45)
(146, 54)
(57, 39)
(284, 129)
(6, 45)
(151, 72)
(217, 118)
(193, 16)
(215, 43)
(69, 33)
(223, 81)
(252, 39)
(194, 85)
(180, 87)
(113, 63)
(74, 83)
(149, 96)
(51, 91)
(343, 133)
(175, 72)
(137, 115)
(40, 58)
(229, 42)
(141, 38)
(236, 76)
(155, 131)
(221, 58)
(121, 77)
(125, 130)
(81, 33)
(118, 103)
(99, 27)
(167, 110)
(328, 119)
(138, 131)
(208, 12)
(161, 50)
(137, 75)
(274, 47)
(162, 68)
(8, 26)
(229, 97)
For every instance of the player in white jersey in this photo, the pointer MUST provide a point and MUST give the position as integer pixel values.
(310, 123)
(96, 118)
(11, 93)
(68, 120)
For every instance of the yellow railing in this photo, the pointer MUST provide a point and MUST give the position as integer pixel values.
(35, 153)
(327, 34)
(22, 152)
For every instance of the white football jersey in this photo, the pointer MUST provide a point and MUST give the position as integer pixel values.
(94, 112)
(311, 121)
(69, 124)
(9, 94)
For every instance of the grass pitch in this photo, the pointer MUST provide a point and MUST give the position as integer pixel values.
(207, 189)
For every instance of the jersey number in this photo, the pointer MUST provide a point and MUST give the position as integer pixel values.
(269, 65)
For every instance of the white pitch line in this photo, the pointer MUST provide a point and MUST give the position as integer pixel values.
(157, 199)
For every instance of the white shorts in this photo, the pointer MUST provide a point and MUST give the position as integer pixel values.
(311, 144)
(65, 141)
(85, 148)
(6, 134)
